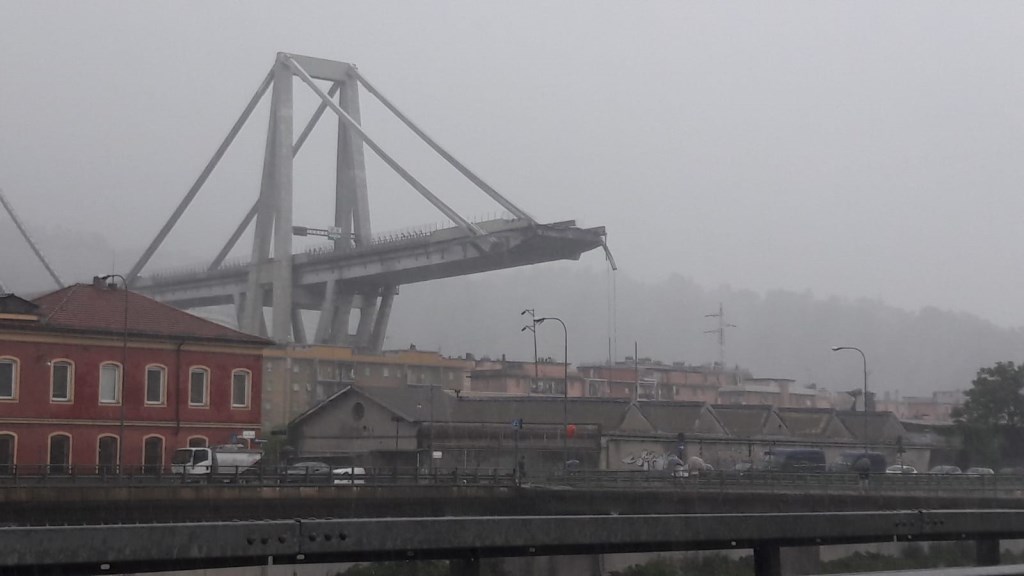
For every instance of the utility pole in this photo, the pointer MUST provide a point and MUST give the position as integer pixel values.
(722, 325)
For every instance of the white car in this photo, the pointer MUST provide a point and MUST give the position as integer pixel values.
(977, 470)
(897, 469)
(349, 475)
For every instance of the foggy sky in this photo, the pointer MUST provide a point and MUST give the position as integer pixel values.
(859, 149)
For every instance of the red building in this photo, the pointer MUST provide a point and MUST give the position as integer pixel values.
(66, 357)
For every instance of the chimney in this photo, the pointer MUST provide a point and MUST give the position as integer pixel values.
(98, 282)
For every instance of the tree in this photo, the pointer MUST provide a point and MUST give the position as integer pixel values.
(995, 399)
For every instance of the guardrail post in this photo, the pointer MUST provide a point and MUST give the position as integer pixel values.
(986, 552)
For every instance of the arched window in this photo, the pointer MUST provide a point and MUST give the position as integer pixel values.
(8, 452)
(110, 383)
(107, 454)
(62, 381)
(153, 454)
(241, 388)
(60, 453)
(8, 378)
(198, 442)
(156, 385)
(198, 387)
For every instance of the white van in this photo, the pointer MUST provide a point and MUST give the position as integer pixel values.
(349, 475)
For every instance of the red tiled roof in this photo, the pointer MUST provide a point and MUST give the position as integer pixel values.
(91, 308)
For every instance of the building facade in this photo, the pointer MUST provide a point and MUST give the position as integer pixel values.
(95, 376)
(298, 376)
(657, 381)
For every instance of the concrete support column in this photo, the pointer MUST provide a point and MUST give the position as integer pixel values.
(282, 153)
(367, 311)
(340, 335)
(239, 300)
(352, 210)
(767, 560)
(327, 312)
(464, 567)
(380, 324)
(298, 326)
(986, 552)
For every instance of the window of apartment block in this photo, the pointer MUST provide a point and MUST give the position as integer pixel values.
(198, 385)
(110, 383)
(241, 386)
(61, 378)
(8, 378)
(385, 371)
(156, 384)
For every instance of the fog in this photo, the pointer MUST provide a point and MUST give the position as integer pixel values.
(856, 151)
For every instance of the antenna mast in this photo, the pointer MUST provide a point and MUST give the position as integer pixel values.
(722, 325)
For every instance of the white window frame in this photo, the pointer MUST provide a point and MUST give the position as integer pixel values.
(70, 383)
(118, 385)
(15, 375)
(248, 388)
(163, 386)
(206, 386)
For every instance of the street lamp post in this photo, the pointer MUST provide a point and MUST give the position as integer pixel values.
(124, 369)
(565, 391)
(532, 328)
(865, 360)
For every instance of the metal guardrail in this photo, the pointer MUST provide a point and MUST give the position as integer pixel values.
(45, 475)
(1008, 486)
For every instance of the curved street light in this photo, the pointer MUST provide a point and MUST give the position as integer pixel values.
(865, 359)
(565, 391)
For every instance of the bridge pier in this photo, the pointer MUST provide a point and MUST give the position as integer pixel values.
(986, 552)
(767, 560)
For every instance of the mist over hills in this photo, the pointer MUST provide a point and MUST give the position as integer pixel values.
(778, 333)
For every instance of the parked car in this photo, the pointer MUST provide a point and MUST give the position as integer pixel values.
(897, 469)
(349, 475)
(307, 471)
(979, 471)
(945, 470)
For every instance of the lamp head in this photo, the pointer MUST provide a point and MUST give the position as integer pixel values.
(540, 320)
(525, 328)
(836, 348)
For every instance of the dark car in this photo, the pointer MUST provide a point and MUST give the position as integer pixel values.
(860, 461)
(307, 472)
(798, 460)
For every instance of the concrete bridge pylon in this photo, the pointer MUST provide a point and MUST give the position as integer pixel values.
(359, 273)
